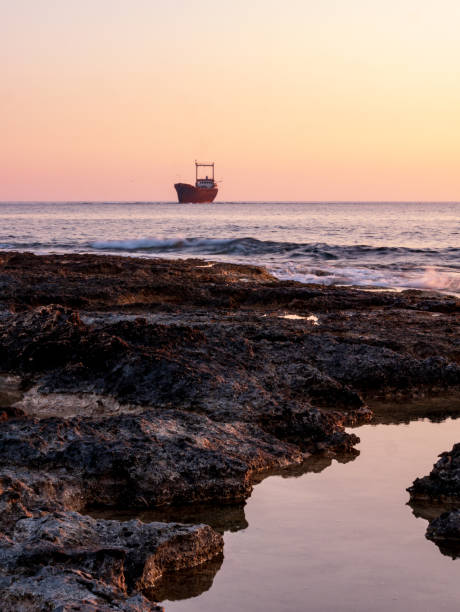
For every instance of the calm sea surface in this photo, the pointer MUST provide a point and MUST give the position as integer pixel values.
(394, 245)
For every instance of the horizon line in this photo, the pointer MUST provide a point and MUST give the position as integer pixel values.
(332, 201)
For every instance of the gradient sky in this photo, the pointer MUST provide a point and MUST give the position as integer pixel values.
(293, 99)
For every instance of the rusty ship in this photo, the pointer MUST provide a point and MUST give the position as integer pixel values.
(204, 190)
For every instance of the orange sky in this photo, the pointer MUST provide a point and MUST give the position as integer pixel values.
(293, 100)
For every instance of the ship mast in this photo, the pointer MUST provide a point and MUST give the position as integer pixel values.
(198, 165)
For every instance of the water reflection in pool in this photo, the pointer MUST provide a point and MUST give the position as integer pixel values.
(338, 538)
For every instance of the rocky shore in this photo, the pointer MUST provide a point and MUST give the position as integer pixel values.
(136, 384)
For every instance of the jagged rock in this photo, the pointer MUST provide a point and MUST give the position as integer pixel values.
(225, 369)
(221, 362)
(444, 531)
(59, 557)
(160, 457)
(445, 527)
(443, 482)
(103, 282)
(134, 383)
(441, 488)
(67, 590)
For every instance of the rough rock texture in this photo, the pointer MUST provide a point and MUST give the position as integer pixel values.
(104, 282)
(51, 558)
(65, 590)
(228, 371)
(443, 482)
(156, 458)
(134, 383)
(441, 489)
(123, 557)
(216, 333)
(445, 527)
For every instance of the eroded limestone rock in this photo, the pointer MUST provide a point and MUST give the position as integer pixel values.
(134, 383)
(443, 482)
(58, 557)
(441, 489)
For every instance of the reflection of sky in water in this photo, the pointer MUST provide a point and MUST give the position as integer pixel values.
(294, 317)
(341, 539)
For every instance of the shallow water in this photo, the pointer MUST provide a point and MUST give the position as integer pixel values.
(392, 245)
(342, 538)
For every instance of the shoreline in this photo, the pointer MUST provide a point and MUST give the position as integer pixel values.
(184, 382)
(209, 260)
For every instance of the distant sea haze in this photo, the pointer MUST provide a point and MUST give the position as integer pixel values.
(373, 245)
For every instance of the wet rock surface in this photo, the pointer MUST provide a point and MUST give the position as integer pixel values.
(128, 326)
(440, 490)
(128, 556)
(443, 482)
(140, 384)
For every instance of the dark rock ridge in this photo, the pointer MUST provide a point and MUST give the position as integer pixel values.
(137, 384)
(53, 559)
(200, 322)
(156, 458)
(125, 557)
(443, 482)
(444, 530)
(106, 282)
(256, 372)
(445, 527)
(441, 488)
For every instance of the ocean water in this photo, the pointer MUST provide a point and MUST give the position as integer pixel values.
(369, 244)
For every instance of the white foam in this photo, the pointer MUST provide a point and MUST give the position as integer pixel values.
(376, 279)
(434, 278)
(400, 274)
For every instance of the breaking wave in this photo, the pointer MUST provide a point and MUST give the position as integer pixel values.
(253, 247)
(430, 278)
(361, 265)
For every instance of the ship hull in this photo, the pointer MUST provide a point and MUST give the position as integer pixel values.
(195, 195)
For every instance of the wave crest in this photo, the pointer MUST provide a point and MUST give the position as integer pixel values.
(251, 246)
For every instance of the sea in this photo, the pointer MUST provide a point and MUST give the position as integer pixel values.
(373, 245)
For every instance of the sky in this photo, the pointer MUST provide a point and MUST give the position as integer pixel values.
(293, 100)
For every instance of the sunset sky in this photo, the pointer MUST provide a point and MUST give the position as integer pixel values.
(293, 99)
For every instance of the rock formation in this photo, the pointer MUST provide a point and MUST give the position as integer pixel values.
(441, 488)
(135, 384)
